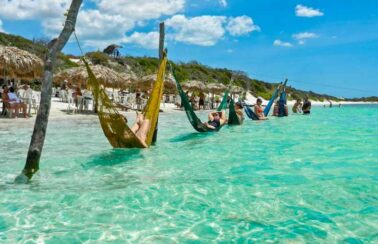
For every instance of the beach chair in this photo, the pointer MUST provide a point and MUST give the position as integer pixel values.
(71, 103)
(63, 95)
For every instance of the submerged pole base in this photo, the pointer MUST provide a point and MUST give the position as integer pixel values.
(21, 179)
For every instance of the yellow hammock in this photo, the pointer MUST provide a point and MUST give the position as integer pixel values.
(113, 124)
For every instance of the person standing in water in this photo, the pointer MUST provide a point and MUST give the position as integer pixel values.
(306, 108)
(297, 108)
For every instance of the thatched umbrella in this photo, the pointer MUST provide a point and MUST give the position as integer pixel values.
(79, 76)
(146, 82)
(236, 89)
(216, 87)
(19, 64)
(194, 85)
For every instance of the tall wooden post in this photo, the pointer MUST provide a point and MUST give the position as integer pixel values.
(40, 126)
(161, 55)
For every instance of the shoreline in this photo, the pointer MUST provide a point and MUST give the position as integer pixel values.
(59, 111)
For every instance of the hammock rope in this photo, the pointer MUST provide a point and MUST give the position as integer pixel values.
(192, 117)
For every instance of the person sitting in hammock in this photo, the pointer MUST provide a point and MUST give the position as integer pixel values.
(276, 109)
(216, 120)
(141, 127)
(259, 111)
(239, 111)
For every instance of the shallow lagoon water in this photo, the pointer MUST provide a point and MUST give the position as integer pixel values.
(296, 179)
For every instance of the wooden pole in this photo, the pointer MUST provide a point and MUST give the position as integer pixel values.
(161, 55)
(40, 126)
(161, 40)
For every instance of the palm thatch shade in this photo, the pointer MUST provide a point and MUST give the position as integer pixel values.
(146, 83)
(216, 87)
(19, 64)
(236, 89)
(105, 75)
(194, 85)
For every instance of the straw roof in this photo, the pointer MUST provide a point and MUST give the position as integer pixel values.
(105, 75)
(19, 64)
(216, 87)
(145, 83)
(236, 89)
(194, 85)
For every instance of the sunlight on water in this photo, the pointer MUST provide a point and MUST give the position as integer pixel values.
(297, 179)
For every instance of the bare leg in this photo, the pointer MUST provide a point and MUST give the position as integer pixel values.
(137, 124)
(143, 130)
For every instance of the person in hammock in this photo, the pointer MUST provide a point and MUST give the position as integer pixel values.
(216, 120)
(141, 127)
(259, 111)
(239, 111)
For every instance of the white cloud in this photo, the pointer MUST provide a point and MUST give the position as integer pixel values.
(148, 40)
(141, 9)
(204, 30)
(241, 25)
(109, 21)
(280, 43)
(303, 36)
(223, 3)
(303, 11)
(207, 30)
(92, 24)
(37, 9)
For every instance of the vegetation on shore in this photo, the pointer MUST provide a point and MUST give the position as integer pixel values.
(184, 70)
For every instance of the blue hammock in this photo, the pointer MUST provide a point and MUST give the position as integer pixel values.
(282, 104)
(250, 113)
(271, 101)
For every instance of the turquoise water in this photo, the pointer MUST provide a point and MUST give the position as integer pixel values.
(298, 179)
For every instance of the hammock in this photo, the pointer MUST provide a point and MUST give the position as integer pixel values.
(233, 118)
(193, 119)
(282, 104)
(274, 96)
(250, 113)
(114, 124)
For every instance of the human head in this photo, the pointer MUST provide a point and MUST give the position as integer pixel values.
(238, 105)
(259, 101)
(11, 89)
(5, 88)
(299, 100)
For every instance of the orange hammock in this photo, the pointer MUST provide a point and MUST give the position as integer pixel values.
(114, 124)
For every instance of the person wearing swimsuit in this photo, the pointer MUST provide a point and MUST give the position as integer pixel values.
(259, 111)
(306, 108)
(216, 120)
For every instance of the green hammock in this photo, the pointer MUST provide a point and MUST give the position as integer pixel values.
(233, 118)
(193, 119)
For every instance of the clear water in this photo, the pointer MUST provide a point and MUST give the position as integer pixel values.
(298, 179)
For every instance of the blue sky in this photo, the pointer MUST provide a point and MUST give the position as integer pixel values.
(324, 46)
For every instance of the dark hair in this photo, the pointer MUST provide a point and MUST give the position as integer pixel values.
(258, 100)
(239, 104)
(5, 86)
(11, 89)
